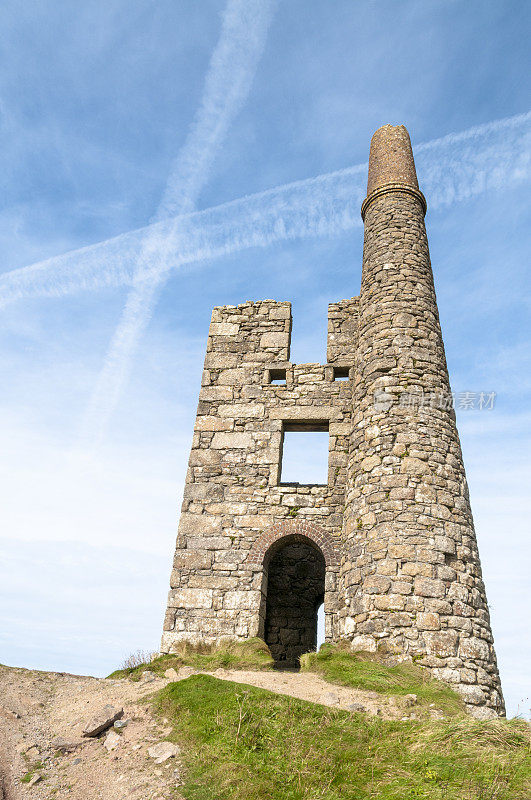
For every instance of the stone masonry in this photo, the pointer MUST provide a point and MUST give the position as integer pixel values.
(388, 543)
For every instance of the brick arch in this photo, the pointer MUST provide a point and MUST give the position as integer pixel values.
(288, 528)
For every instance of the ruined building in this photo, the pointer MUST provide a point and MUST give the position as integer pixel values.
(388, 543)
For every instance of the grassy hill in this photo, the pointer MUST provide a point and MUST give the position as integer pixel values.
(244, 743)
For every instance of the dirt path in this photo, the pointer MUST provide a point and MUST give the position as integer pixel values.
(306, 686)
(42, 715)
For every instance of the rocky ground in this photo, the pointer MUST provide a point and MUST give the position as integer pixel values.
(44, 754)
(43, 715)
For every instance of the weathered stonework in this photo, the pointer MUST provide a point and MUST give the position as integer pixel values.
(388, 543)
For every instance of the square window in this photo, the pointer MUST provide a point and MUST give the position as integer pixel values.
(304, 456)
(341, 373)
(276, 377)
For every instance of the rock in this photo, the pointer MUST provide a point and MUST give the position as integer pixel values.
(171, 674)
(148, 676)
(357, 708)
(35, 778)
(220, 672)
(185, 672)
(472, 694)
(107, 716)
(32, 753)
(329, 699)
(482, 712)
(65, 746)
(163, 751)
(76, 761)
(9, 712)
(410, 700)
(112, 740)
(474, 648)
(120, 724)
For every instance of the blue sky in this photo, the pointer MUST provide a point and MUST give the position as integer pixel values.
(97, 106)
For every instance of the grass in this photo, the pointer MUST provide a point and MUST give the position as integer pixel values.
(252, 654)
(364, 671)
(35, 767)
(243, 743)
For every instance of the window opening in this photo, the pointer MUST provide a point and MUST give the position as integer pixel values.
(341, 373)
(304, 456)
(277, 377)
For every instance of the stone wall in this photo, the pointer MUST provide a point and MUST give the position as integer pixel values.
(342, 332)
(233, 491)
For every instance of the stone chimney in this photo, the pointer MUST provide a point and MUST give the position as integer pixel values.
(411, 579)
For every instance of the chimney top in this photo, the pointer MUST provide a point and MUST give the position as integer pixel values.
(391, 164)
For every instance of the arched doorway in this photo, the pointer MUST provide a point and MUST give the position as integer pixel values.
(294, 583)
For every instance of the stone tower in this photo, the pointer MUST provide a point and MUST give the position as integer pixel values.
(388, 543)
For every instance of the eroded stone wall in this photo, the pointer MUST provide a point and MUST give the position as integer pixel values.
(233, 491)
(342, 332)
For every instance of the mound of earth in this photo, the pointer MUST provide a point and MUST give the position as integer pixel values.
(45, 754)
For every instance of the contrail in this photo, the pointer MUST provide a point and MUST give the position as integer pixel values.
(318, 206)
(462, 165)
(451, 169)
(229, 77)
(228, 81)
